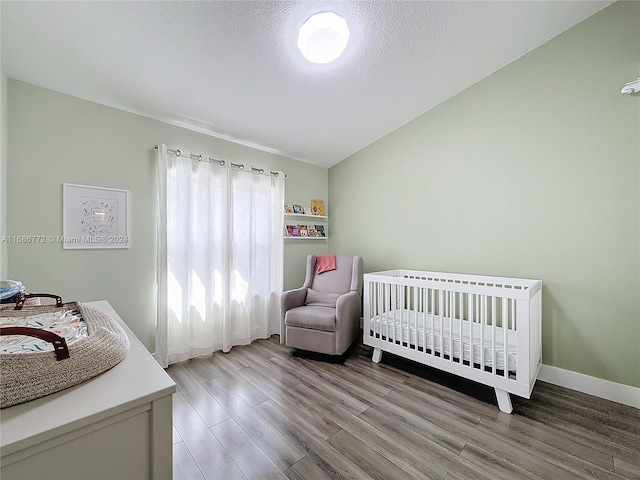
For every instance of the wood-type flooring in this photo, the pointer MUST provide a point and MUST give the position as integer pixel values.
(265, 411)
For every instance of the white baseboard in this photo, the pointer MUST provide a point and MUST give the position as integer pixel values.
(616, 392)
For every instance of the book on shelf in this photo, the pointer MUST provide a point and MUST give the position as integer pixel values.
(292, 231)
(307, 210)
(302, 229)
(288, 208)
(312, 231)
(320, 230)
(297, 208)
(317, 207)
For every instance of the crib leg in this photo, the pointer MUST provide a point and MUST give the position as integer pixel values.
(504, 401)
(377, 355)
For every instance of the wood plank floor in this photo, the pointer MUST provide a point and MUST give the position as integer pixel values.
(264, 411)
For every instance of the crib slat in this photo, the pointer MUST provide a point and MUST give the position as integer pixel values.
(389, 303)
(390, 299)
(447, 317)
(381, 310)
(378, 310)
(391, 334)
(410, 307)
(451, 304)
(418, 308)
(441, 310)
(403, 313)
(476, 321)
(416, 305)
(389, 308)
(399, 303)
(376, 307)
(371, 288)
(403, 309)
(433, 314)
(493, 335)
(461, 334)
(393, 302)
(512, 317)
(425, 293)
(414, 310)
(394, 308)
(368, 313)
(471, 318)
(483, 322)
(373, 305)
(505, 329)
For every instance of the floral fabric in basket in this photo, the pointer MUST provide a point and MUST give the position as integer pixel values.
(67, 323)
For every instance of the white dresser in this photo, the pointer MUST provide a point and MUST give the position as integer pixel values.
(115, 426)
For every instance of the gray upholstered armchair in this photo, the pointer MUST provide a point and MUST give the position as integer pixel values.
(324, 314)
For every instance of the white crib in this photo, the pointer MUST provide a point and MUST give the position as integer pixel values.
(487, 329)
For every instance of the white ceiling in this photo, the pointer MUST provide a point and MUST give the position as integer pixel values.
(232, 69)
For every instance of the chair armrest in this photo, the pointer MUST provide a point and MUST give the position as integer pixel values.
(293, 298)
(348, 307)
(288, 300)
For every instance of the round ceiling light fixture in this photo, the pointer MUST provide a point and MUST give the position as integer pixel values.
(323, 37)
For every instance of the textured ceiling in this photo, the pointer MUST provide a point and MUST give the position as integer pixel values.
(232, 69)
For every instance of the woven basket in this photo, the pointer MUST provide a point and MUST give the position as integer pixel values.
(27, 376)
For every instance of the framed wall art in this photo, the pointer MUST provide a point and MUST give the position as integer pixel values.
(94, 217)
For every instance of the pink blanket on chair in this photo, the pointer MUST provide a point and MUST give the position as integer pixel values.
(325, 263)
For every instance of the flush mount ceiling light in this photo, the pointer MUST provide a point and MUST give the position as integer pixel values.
(323, 37)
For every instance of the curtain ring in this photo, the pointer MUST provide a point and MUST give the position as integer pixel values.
(241, 167)
(178, 153)
(222, 164)
(261, 170)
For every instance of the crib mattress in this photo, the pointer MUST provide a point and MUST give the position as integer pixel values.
(405, 325)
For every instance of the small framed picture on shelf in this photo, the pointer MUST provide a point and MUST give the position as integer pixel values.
(292, 231)
(297, 208)
(320, 230)
(307, 210)
(317, 207)
(288, 208)
(303, 230)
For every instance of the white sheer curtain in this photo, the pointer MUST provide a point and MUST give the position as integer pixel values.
(220, 256)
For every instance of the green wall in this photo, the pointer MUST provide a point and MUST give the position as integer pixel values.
(3, 163)
(3, 172)
(533, 172)
(55, 139)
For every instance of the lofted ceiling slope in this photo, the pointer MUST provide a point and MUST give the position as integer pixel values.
(231, 69)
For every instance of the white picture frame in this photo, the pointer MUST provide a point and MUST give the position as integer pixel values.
(94, 217)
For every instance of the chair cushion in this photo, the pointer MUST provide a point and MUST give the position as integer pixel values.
(335, 281)
(321, 299)
(312, 317)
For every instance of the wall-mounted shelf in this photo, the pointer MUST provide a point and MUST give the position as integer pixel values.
(310, 223)
(291, 237)
(302, 215)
